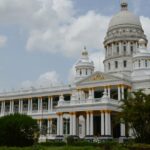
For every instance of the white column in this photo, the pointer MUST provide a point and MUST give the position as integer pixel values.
(74, 123)
(40, 124)
(12, 109)
(122, 91)
(10, 106)
(102, 124)
(40, 104)
(71, 124)
(122, 128)
(128, 48)
(29, 105)
(109, 91)
(49, 104)
(120, 48)
(21, 105)
(2, 108)
(92, 93)
(119, 93)
(105, 89)
(87, 123)
(48, 126)
(91, 123)
(19, 108)
(58, 125)
(113, 50)
(61, 124)
(107, 123)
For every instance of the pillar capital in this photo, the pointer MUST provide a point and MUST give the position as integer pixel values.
(109, 86)
(122, 85)
(119, 85)
(59, 113)
(102, 111)
(106, 111)
(72, 113)
(49, 118)
(88, 112)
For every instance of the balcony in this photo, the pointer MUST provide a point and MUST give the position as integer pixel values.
(88, 101)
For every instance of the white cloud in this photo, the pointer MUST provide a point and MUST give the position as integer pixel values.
(3, 40)
(53, 26)
(47, 79)
(68, 39)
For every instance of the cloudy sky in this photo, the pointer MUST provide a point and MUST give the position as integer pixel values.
(40, 40)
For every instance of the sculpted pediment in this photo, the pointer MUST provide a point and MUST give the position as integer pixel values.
(97, 77)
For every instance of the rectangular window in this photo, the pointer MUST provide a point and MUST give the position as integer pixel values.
(109, 66)
(124, 49)
(131, 48)
(125, 63)
(117, 49)
(146, 63)
(116, 64)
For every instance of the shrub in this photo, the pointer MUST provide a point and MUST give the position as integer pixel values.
(18, 130)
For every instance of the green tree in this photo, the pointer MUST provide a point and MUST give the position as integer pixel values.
(18, 130)
(136, 112)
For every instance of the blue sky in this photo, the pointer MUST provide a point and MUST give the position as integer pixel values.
(40, 40)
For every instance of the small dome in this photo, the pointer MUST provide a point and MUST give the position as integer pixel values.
(124, 17)
(142, 41)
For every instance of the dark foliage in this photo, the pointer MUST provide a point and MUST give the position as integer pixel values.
(18, 130)
(136, 113)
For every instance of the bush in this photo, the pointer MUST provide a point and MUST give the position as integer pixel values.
(18, 130)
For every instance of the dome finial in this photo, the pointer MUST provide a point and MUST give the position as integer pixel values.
(84, 52)
(124, 5)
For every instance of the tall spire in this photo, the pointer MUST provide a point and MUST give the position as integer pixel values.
(124, 5)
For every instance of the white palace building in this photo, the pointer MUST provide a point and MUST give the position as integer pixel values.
(87, 107)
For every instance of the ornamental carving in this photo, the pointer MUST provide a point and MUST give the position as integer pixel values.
(97, 77)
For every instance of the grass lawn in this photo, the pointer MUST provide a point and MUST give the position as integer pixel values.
(52, 148)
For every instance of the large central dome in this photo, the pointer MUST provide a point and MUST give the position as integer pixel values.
(124, 17)
(121, 41)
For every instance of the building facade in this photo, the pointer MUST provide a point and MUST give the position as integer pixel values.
(87, 107)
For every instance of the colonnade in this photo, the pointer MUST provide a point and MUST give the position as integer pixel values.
(107, 90)
(29, 108)
(117, 48)
(105, 124)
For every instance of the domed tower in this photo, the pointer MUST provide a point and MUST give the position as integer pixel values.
(84, 67)
(121, 41)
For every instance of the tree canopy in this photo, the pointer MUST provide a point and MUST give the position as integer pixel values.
(18, 130)
(136, 112)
